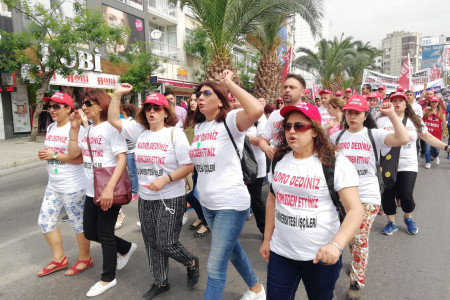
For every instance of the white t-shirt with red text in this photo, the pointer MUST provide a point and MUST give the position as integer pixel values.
(417, 109)
(273, 125)
(63, 177)
(356, 146)
(408, 153)
(255, 131)
(325, 115)
(220, 182)
(305, 216)
(106, 142)
(157, 154)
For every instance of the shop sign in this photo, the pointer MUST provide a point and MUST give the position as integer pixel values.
(182, 73)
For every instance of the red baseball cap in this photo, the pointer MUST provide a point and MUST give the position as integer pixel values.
(326, 92)
(59, 97)
(381, 87)
(374, 95)
(155, 98)
(310, 111)
(339, 93)
(434, 98)
(280, 99)
(400, 88)
(398, 94)
(307, 92)
(358, 103)
(348, 90)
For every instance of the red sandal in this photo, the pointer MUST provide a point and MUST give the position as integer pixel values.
(75, 270)
(59, 266)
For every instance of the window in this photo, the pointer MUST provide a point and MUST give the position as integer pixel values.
(4, 11)
(239, 56)
(172, 35)
(189, 11)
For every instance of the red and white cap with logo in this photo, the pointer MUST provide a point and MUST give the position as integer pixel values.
(155, 98)
(434, 98)
(307, 92)
(326, 92)
(381, 87)
(339, 93)
(59, 97)
(348, 90)
(309, 110)
(400, 88)
(358, 103)
(398, 94)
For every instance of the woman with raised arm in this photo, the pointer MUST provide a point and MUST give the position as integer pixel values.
(303, 239)
(66, 188)
(101, 147)
(162, 162)
(221, 189)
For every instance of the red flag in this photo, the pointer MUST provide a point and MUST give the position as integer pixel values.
(287, 66)
(315, 89)
(405, 76)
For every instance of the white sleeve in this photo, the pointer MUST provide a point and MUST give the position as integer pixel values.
(231, 123)
(131, 130)
(379, 136)
(261, 125)
(345, 174)
(424, 128)
(268, 130)
(181, 146)
(118, 142)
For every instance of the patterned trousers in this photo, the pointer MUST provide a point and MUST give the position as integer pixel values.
(359, 245)
(160, 231)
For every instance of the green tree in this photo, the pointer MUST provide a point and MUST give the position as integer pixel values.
(50, 43)
(225, 21)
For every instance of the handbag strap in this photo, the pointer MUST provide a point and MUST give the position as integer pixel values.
(89, 147)
(374, 146)
(232, 139)
(339, 136)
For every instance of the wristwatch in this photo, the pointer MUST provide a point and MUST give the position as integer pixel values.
(445, 148)
(54, 155)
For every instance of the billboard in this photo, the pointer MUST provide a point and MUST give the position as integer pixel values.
(430, 55)
(138, 4)
(117, 17)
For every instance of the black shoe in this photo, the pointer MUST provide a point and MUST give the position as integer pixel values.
(65, 218)
(354, 292)
(155, 290)
(193, 274)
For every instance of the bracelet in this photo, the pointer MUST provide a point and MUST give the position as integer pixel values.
(74, 140)
(170, 178)
(337, 246)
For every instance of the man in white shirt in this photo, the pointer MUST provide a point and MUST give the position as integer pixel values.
(293, 91)
(326, 96)
(411, 98)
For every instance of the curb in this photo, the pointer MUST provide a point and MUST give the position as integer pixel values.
(25, 164)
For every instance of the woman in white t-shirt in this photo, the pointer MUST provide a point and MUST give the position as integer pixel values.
(355, 143)
(221, 189)
(102, 146)
(407, 164)
(162, 161)
(303, 239)
(66, 188)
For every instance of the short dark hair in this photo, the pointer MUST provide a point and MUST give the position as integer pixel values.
(368, 86)
(167, 93)
(170, 121)
(298, 77)
(220, 91)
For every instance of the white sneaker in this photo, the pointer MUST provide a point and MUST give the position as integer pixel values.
(99, 288)
(138, 224)
(185, 219)
(250, 295)
(123, 260)
(427, 165)
(436, 160)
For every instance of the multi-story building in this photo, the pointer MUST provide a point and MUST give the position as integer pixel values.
(396, 46)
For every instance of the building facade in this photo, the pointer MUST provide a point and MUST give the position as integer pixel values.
(396, 46)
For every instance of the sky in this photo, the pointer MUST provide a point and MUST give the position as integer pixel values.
(370, 21)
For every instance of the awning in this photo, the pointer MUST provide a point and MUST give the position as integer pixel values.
(178, 83)
(88, 79)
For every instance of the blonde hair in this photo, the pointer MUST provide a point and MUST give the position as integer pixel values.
(337, 102)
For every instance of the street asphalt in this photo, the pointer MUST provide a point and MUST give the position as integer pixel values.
(401, 266)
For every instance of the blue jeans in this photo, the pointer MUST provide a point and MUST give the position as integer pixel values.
(131, 166)
(226, 226)
(430, 151)
(284, 275)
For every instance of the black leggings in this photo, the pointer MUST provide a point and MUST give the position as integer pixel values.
(403, 189)
(257, 203)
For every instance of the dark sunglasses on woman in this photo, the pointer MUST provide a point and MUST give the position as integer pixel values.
(298, 126)
(56, 106)
(88, 103)
(204, 93)
(156, 108)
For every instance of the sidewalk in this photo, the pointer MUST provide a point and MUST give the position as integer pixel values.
(18, 152)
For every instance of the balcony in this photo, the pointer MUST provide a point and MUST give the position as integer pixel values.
(165, 50)
(162, 12)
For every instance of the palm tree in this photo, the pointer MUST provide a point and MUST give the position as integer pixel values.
(225, 21)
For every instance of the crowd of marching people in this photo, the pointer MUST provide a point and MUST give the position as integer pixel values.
(332, 164)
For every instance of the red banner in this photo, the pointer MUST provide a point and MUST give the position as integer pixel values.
(287, 66)
(406, 74)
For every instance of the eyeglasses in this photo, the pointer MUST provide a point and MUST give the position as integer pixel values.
(397, 100)
(56, 106)
(204, 93)
(298, 126)
(156, 108)
(88, 103)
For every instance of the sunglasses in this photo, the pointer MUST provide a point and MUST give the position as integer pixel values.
(88, 103)
(204, 93)
(56, 106)
(156, 108)
(298, 126)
